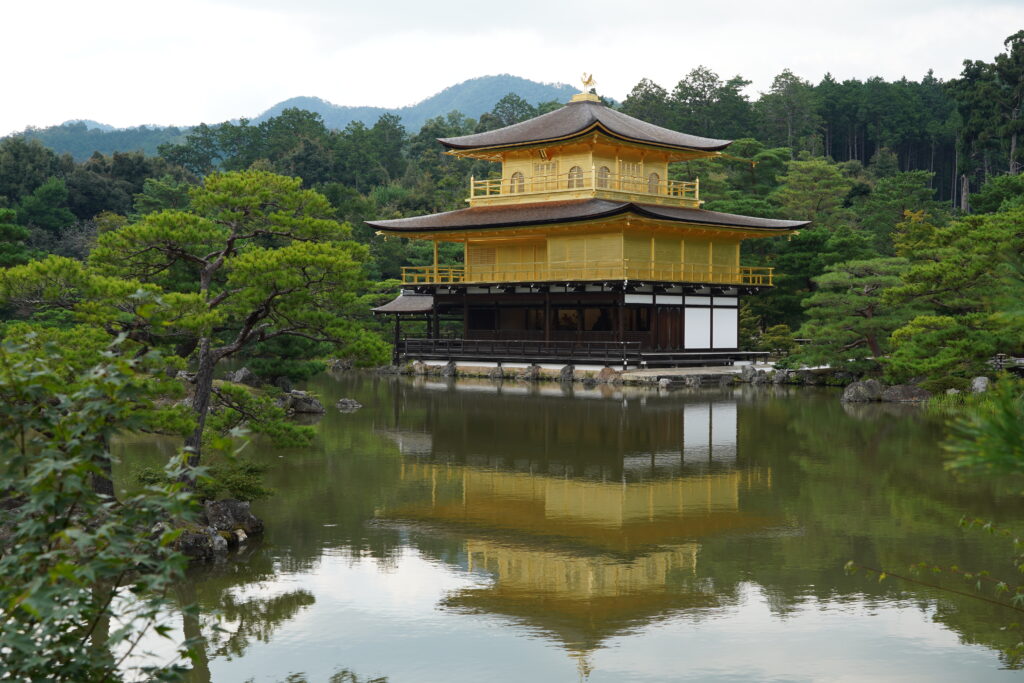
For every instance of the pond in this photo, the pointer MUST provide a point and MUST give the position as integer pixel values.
(472, 531)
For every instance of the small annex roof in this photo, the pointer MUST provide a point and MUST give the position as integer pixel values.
(407, 302)
(540, 213)
(577, 118)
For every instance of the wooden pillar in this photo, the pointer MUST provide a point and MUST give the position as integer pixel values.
(465, 316)
(654, 323)
(435, 261)
(547, 315)
(620, 325)
(398, 338)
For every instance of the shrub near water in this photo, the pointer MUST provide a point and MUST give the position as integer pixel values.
(72, 555)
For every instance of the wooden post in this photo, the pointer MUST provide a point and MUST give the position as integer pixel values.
(435, 261)
(620, 324)
(655, 327)
(398, 338)
(547, 315)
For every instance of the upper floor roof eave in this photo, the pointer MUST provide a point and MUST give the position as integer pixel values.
(577, 119)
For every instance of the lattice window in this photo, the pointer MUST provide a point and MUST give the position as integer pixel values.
(545, 175)
(653, 181)
(603, 175)
(630, 169)
(543, 168)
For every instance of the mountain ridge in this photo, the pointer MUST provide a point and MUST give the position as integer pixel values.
(82, 137)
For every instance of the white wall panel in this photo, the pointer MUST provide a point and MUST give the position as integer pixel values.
(697, 328)
(726, 321)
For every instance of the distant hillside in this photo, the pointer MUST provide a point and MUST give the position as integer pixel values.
(472, 98)
(80, 138)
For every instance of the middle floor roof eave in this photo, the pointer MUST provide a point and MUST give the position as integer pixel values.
(574, 212)
(612, 223)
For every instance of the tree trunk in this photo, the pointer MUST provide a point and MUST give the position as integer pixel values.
(965, 193)
(1014, 166)
(201, 399)
(872, 341)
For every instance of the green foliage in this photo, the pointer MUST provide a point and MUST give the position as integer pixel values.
(24, 166)
(789, 112)
(235, 406)
(234, 477)
(989, 438)
(46, 207)
(881, 210)
(964, 273)
(777, 339)
(73, 555)
(254, 258)
(13, 249)
(813, 190)
(849, 321)
(160, 194)
(1003, 189)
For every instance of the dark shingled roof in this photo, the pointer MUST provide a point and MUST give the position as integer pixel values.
(579, 117)
(408, 303)
(512, 215)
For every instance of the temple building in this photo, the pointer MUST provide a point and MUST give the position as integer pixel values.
(583, 250)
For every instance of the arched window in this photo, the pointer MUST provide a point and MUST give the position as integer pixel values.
(517, 183)
(575, 177)
(652, 183)
(603, 176)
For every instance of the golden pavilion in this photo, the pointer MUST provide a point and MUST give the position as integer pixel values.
(584, 250)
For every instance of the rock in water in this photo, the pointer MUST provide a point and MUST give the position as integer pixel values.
(529, 373)
(905, 393)
(244, 376)
(979, 385)
(609, 376)
(202, 543)
(747, 373)
(348, 405)
(339, 364)
(283, 383)
(863, 392)
(304, 402)
(450, 370)
(567, 374)
(231, 515)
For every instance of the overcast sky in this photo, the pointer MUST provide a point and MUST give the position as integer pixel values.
(129, 62)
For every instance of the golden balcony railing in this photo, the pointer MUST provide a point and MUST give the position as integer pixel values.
(593, 179)
(574, 271)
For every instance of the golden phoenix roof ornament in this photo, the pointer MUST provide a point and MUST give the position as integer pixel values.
(588, 81)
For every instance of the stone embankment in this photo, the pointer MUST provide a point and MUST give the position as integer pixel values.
(856, 391)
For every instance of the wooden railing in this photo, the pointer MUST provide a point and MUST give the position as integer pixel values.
(584, 180)
(571, 271)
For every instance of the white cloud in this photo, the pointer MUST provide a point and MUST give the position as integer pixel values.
(127, 63)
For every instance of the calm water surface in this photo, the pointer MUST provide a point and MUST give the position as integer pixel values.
(466, 531)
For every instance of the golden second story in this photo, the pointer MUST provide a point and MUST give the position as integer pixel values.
(584, 150)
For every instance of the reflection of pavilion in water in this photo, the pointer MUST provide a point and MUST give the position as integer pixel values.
(610, 433)
(573, 551)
